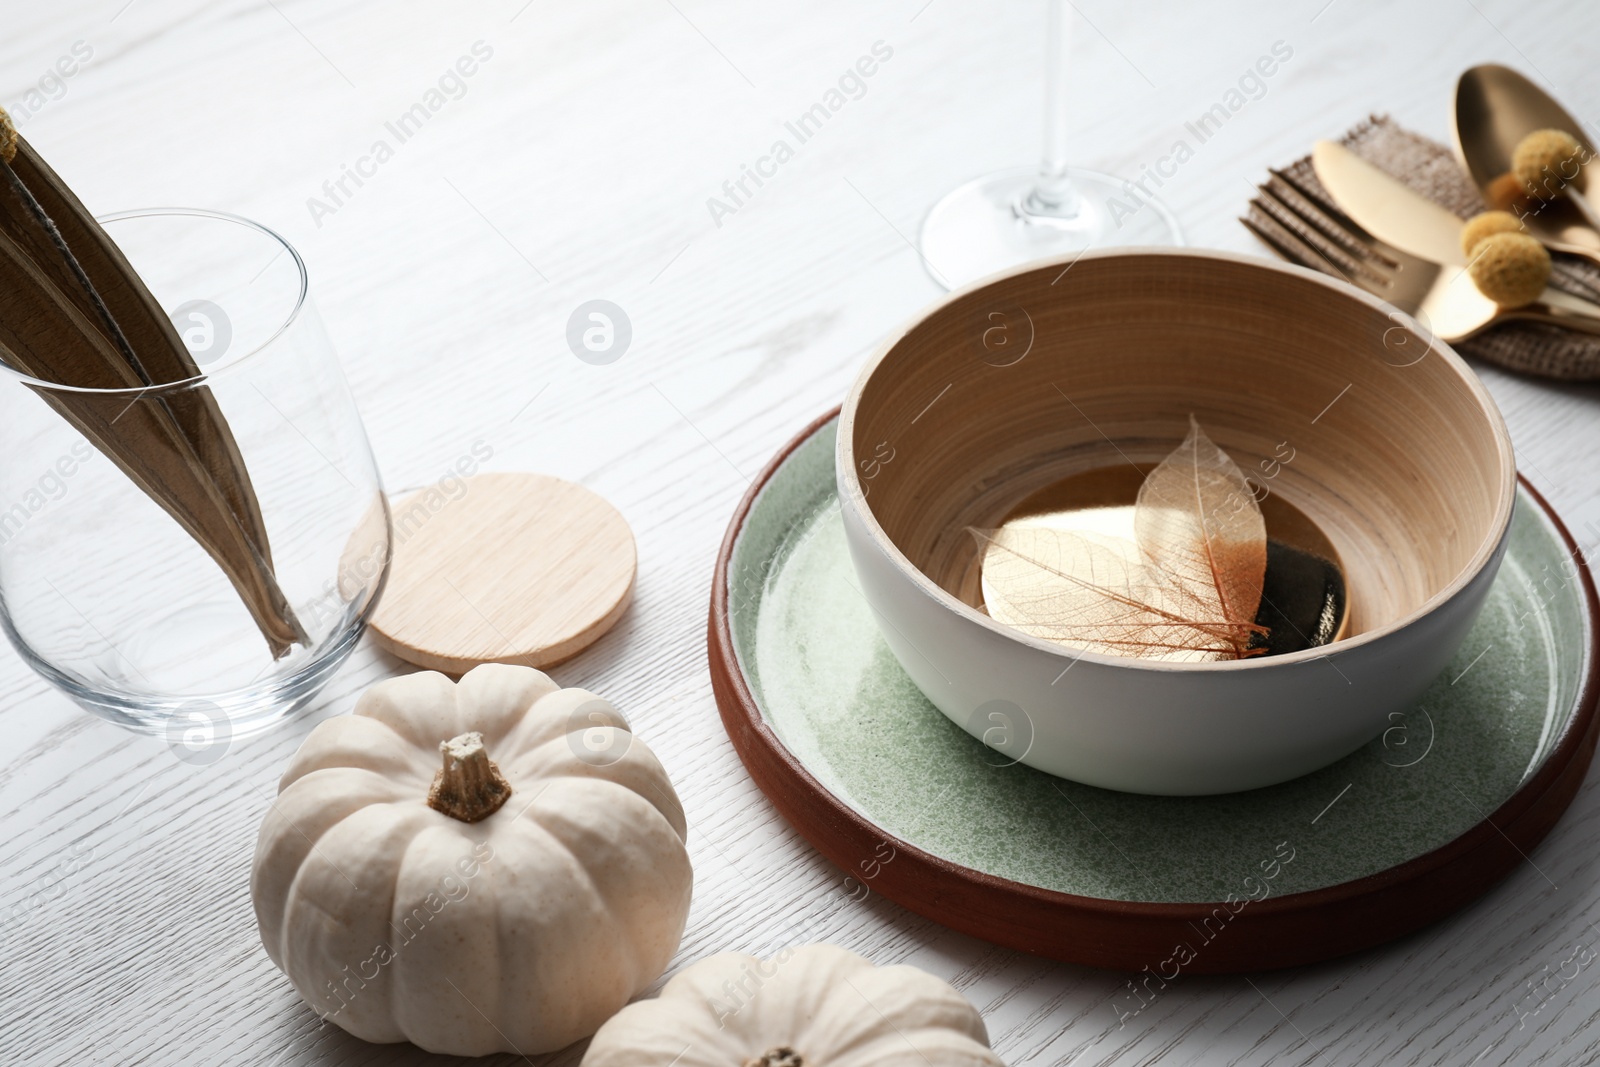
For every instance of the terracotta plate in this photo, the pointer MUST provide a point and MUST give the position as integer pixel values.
(1426, 818)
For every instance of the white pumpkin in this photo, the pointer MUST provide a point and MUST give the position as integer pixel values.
(508, 896)
(815, 1006)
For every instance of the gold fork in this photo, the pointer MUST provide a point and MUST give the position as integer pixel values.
(1287, 217)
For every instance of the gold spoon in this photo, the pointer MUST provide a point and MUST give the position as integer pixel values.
(1495, 108)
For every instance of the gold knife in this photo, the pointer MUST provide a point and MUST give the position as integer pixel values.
(1387, 208)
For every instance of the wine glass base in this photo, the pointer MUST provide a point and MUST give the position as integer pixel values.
(984, 226)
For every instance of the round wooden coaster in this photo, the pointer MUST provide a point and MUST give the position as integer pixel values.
(862, 777)
(514, 568)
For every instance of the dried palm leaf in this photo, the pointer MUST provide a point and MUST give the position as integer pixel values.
(73, 312)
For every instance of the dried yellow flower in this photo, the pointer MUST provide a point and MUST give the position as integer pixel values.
(1487, 224)
(1505, 191)
(1510, 268)
(1547, 161)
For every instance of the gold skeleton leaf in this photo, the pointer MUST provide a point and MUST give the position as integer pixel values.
(1187, 586)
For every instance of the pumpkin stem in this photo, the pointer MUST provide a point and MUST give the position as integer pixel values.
(469, 786)
(782, 1056)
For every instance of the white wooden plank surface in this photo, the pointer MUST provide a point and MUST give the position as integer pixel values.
(576, 165)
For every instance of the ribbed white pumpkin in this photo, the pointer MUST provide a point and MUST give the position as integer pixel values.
(815, 1006)
(520, 932)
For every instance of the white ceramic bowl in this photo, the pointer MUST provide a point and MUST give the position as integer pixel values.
(1401, 459)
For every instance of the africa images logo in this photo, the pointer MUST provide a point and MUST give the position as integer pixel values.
(1250, 86)
(450, 85)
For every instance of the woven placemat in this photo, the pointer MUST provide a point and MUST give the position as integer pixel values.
(1431, 169)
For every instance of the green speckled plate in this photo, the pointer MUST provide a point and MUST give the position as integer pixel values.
(1415, 825)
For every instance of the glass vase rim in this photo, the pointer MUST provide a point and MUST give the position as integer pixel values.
(134, 392)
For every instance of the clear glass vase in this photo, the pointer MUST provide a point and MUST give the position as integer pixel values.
(106, 591)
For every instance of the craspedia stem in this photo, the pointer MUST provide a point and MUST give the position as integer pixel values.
(469, 787)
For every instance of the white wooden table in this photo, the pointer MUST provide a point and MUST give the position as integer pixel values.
(574, 164)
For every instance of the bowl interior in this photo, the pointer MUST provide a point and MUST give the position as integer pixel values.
(1395, 450)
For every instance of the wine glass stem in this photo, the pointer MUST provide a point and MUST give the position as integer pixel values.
(1053, 194)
